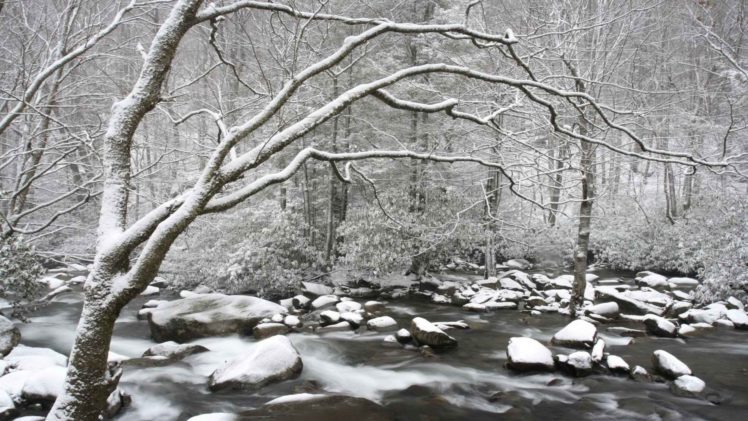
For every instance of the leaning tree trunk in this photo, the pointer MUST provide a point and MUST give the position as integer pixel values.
(88, 382)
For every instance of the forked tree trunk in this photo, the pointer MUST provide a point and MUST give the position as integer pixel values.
(88, 382)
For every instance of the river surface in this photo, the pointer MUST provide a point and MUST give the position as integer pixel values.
(469, 382)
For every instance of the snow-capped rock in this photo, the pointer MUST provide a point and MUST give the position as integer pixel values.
(659, 326)
(562, 282)
(382, 324)
(43, 386)
(598, 351)
(329, 317)
(689, 386)
(32, 358)
(640, 374)
(499, 305)
(301, 302)
(579, 363)
(527, 354)
(738, 318)
(577, 334)
(324, 301)
(292, 321)
(509, 283)
(271, 360)
(653, 280)
(616, 364)
(10, 336)
(337, 327)
(374, 307)
(348, 306)
(355, 319)
(426, 333)
(608, 309)
(266, 330)
(684, 282)
(668, 365)
(708, 316)
(403, 336)
(517, 264)
(628, 304)
(686, 330)
(209, 315)
(734, 303)
(153, 303)
(173, 350)
(150, 290)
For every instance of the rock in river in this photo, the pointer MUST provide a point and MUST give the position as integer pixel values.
(659, 326)
(266, 330)
(208, 315)
(527, 354)
(10, 336)
(668, 365)
(426, 333)
(738, 318)
(688, 386)
(577, 334)
(173, 350)
(382, 324)
(271, 360)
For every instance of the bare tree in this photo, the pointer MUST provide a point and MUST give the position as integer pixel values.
(128, 256)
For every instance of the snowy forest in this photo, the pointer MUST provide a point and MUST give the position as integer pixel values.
(383, 209)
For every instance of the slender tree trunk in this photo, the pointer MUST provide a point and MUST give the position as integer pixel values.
(583, 233)
(331, 205)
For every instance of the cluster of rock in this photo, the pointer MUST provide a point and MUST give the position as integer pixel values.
(526, 354)
(458, 264)
(31, 376)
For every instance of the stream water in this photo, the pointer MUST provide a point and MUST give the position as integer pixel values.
(469, 382)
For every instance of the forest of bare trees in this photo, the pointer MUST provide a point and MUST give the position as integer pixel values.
(246, 146)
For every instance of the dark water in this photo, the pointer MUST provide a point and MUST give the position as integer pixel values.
(469, 382)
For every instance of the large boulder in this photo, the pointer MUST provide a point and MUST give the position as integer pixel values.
(426, 333)
(627, 303)
(527, 354)
(668, 365)
(10, 336)
(209, 315)
(271, 360)
(577, 334)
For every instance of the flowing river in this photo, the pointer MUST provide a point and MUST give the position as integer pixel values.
(469, 382)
